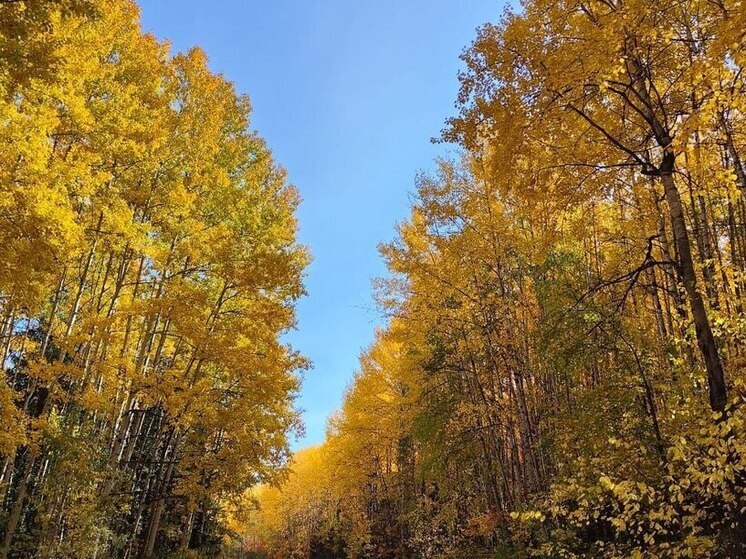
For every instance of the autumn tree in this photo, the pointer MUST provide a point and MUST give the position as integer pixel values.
(149, 269)
(565, 304)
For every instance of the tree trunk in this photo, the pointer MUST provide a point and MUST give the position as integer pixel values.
(705, 338)
(14, 517)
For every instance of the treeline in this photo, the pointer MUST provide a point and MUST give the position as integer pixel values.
(148, 266)
(562, 375)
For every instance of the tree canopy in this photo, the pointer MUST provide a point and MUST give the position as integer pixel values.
(562, 374)
(149, 267)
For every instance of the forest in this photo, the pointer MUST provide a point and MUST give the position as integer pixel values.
(562, 373)
(562, 369)
(149, 265)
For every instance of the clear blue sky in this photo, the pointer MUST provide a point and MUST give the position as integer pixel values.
(348, 95)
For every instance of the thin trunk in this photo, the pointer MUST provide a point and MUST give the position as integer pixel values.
(705, 338)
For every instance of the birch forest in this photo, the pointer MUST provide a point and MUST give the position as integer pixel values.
(148, 265)
(561, 372)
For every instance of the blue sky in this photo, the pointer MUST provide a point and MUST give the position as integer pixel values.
(348, 95)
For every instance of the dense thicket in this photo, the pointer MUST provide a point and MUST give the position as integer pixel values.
(148, 266)
(563, 371)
